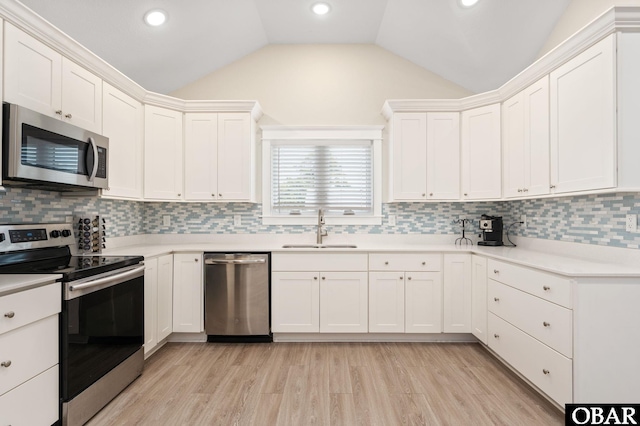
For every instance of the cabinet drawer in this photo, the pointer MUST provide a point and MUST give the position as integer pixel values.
(427, 262)
(30, 350)
(548, 286)
(547, 322)
(25, 307)
(32, 403)
(319, 262)
(544, 367)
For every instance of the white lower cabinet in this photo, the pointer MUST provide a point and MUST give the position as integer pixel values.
(386, 302)
(479, 297)
(423, 302)
(29, 353)
(343, 302)
(295, 302)
(456, 309)
(188, 297)
(158, 300)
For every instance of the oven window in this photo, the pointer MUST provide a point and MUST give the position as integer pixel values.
(47, 150)
(99, 331)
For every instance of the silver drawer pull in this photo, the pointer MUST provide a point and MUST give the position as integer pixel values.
(386, 263)
(68, 116)
(10, 314)
(5, 364)
(546, 324)
(424, 263)
(545, 372)
(497, 336)
(315, 278)
(546, 288)
(409, 278)
(496, 299)
(495, 271)
(233, 261)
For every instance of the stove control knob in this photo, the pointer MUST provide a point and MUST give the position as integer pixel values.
(54, 234)
(2, 237)
(66, 233)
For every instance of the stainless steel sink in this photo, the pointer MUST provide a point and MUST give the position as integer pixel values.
(329, 246)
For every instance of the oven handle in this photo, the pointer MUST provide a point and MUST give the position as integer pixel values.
(94, 167)
(113, 279)
(233, 261)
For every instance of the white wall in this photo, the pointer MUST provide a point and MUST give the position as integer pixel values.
(578, 14)
(322, 84)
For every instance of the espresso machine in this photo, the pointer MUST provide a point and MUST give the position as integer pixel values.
(491, 227)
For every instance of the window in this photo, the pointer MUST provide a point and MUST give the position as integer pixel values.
(335, 171)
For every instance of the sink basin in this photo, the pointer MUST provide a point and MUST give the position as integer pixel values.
(329, 246)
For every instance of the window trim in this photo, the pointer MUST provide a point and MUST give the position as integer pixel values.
(324, 133)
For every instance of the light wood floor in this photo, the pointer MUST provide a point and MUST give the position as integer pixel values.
(327, 384)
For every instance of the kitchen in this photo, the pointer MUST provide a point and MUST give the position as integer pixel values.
(172, 221)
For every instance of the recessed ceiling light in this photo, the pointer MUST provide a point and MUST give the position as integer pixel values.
(468, 3)
(320, 8)
(155, 17)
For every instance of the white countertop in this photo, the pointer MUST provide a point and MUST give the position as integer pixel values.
(13, 283)
(559, 264)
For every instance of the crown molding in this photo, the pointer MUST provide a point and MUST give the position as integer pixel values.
(616, 19)
(276, 132)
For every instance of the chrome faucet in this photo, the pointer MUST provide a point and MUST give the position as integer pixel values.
(320, 232)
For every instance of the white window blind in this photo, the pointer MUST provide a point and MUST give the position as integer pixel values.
(337, 177)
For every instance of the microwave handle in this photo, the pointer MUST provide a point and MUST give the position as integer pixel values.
(94, 167)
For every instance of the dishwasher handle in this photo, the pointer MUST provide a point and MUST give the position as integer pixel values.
(234, 261)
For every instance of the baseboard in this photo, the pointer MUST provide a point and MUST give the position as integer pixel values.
(187, 337)
(374, 337)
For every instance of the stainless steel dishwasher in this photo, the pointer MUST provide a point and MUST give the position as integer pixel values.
(236, 297)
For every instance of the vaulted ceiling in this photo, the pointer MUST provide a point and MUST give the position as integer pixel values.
(478, 48)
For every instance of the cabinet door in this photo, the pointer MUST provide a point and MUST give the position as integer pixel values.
(536, 119)
(150, 304)
(201, 156)
(409, 154)
(343, 302)
(513, 133)
(122, 123)
(295, 302)
(164, 324)
(479, 297)
(32, 75)
(443, 155)
(235, 157)
(386, 302)
(162, 153)
(583, 120)
(481, 157)
(188, 302)
(81, 97)
(457, 293)
(423, 302)
(17, 406)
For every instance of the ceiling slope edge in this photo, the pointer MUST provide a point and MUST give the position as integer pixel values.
(623, 19)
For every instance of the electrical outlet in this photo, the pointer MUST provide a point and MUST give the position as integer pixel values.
(632, 222)
(392, 220)
(237, 220)
(166, 220)
(523, 219)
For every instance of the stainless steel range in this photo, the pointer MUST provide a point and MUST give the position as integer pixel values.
(102, 319)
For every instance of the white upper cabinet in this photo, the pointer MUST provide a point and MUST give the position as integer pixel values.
(443, 155)
(525, 134)
(481, 157)
(219, 157)
(426, 156)
(39, 78)
(123, 118)
(162, 154)
(409, 153)
(583, 120)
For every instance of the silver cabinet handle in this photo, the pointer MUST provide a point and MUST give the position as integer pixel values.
(552, 187)
(525, 190)
(546, 288)
(10, 314)
(5, 364)
(465, 194)
(495, 271)
(220, 195)
(545, 372)
(59, 112)
(409, 278)
(315, 278)
(386, 263)
(431, 194)
(324, 278)
(68, 116)
(179, 195)
(496, 299)
(402, 278)
(195, 260)
(424, 263)
(423, 194)
(519, 190)
(497, 336)
(546, 324)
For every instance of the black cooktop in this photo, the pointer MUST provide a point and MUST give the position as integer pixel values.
(59, 261)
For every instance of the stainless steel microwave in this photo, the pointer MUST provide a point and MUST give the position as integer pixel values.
(46, 153)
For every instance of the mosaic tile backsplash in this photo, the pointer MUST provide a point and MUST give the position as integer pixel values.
(589, 219)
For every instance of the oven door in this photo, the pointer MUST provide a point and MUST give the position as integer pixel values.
(102, 324)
